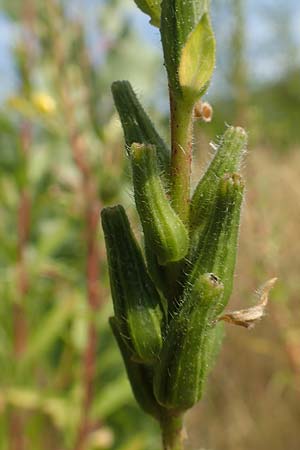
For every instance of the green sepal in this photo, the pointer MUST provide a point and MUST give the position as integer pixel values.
(151, 8)
(179, 18)
(137, 304)
(181, 374)
(228, 159)
(139, 375)
(161, 225)
(217, 251)
(136, 124)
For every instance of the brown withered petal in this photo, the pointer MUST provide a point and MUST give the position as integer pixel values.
(248, 317)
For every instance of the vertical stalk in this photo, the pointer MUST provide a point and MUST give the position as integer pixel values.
(181, 159)
(172, 431)
(79, 148)
(23, 219)
(181, 118)
(19, 319)
(16, 420)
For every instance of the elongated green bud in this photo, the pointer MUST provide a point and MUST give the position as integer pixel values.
(227, 160)
(139, 375)
(162, 227)
(152, 8)
(217, 252)
(136, 124)
(189, 46)
(180, 376)
(137, 304)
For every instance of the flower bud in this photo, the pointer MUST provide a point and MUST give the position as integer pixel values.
(137, 304)
(139, 375)
(227, 160)
(184, 360)
(136, 124)
(161, 225)
(217, 250)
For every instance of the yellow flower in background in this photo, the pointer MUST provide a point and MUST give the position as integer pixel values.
(43, 102)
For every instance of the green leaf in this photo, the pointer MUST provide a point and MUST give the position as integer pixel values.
(152, 8)
(178, 19)
(198, 59)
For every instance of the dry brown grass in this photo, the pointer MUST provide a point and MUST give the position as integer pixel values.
(253, 398)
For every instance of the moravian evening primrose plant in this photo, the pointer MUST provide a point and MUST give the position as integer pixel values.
(169, 297)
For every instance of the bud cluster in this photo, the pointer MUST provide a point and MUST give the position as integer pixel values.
(168, 298)
(168, 340)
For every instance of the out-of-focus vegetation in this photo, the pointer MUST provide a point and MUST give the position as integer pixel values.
(62, 383)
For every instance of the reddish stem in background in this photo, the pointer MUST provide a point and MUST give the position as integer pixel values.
(79, 149)
(16, 418)
(92, 205)
(16, 422)
(17, 438)
(24, 211)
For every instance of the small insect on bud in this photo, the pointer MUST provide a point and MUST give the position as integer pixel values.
(203, 111)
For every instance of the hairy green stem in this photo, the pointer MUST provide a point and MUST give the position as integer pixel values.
(172, 431)
(181, 138)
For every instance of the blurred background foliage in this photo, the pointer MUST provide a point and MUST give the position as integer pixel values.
(62, 383)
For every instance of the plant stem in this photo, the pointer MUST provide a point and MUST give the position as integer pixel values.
(181, 139)
(172, 431)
